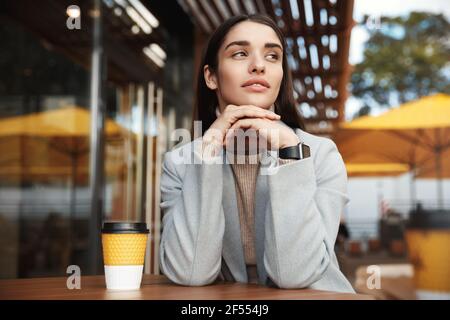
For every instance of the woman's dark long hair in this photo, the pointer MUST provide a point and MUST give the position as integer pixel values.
(206, 99)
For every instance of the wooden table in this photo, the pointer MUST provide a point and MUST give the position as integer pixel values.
(157, 288)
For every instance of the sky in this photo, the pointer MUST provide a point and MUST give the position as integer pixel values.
(385, 8)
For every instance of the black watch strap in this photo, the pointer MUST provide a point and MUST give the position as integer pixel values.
(297, 152)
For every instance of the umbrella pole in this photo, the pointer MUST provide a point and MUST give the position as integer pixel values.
(413, 167)
(439, 180)
(437, 152)
(412, 189)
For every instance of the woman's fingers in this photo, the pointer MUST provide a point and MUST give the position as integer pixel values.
(248, 111)
(265, 129)
(242, 124)
(233, 113)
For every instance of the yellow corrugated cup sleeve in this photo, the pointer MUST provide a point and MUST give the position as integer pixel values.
(124, 249)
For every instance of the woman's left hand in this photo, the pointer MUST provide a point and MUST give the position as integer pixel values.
(277, 134)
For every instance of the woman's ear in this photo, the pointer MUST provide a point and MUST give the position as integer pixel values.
(210, 77)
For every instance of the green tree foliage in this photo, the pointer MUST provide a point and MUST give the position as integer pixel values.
(405, 58)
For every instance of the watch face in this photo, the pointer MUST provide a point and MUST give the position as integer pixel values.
(306, 152)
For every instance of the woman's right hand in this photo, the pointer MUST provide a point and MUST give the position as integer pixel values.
(217, 131)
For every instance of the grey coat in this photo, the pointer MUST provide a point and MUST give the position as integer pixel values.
(297, 211)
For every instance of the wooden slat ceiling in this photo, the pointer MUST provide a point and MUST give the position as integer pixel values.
(123, 48)
(318, 39)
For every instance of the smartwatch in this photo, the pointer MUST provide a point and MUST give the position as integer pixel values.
(297, 152)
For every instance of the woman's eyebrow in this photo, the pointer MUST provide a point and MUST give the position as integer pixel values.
(246, 43)
(273, 45)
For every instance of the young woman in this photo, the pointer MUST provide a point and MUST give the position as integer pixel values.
(232, 221)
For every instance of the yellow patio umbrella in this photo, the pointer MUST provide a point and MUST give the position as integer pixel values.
(429, 112)
(411, 134)
(379, 146)
(364, 147)
(51, 144)
(48, 138)
(27, 158)
(428, 170)
(68, 121)
(375, 169)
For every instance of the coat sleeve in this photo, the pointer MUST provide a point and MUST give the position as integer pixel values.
(303, 217)
(193, 220)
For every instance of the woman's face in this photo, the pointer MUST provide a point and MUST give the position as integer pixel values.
(250, 67)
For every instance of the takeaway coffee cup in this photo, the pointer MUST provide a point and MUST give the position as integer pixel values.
(428, 239)
(124, 246)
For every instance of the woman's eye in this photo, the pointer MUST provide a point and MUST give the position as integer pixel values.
(239, 54)
(271, 56)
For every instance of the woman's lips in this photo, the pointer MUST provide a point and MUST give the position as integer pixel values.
(256, 88)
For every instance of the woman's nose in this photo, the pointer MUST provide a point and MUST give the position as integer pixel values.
(258, 69)
(257, 66)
